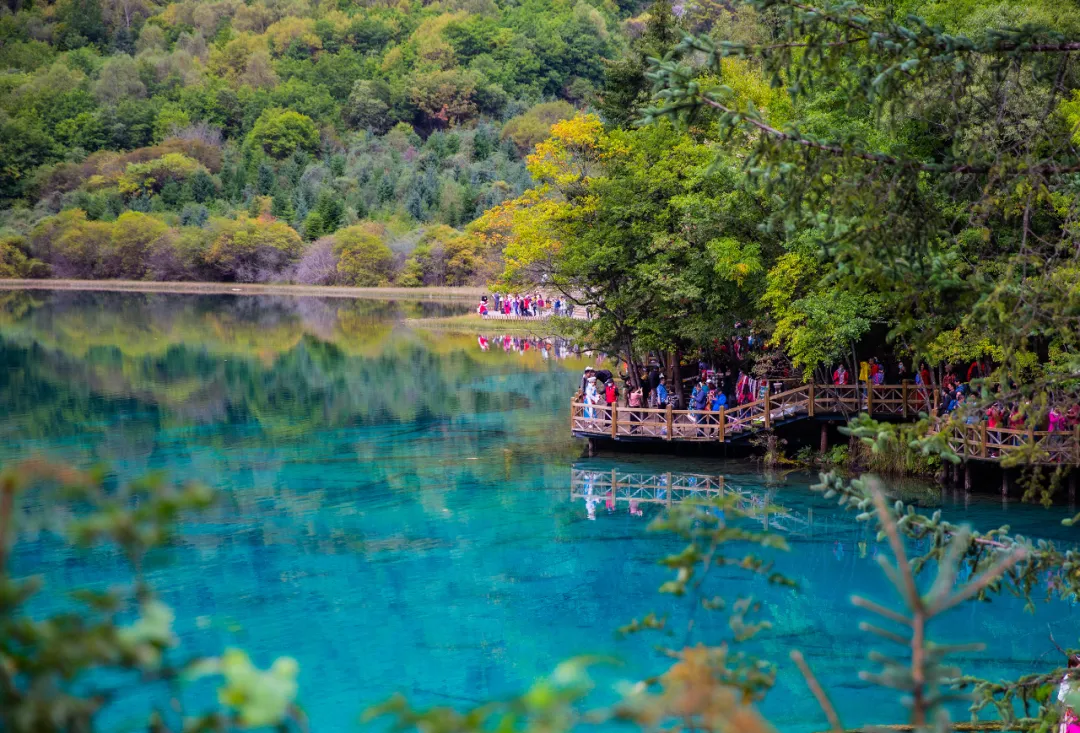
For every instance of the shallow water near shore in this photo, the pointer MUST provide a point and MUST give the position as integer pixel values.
(404, 511)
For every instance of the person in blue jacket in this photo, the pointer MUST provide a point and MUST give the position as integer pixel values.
(699, 398)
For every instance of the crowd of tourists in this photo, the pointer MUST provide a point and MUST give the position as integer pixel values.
(955, 395)
(532, 305)
(1014, 415)
(721, 388)
(712, 389)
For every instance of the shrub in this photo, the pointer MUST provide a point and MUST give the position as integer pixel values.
(318, 265)
(153, 175)
(15, 262)
(443, 256)
(71, 244)
(533, 127)
(133, 237)
(282, 132)
(253, 250)
(364, 258)
(181, 255)
(368, 106)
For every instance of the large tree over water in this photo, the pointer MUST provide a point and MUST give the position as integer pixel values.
(934, 169)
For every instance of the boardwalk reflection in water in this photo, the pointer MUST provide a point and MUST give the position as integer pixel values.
(636, 489)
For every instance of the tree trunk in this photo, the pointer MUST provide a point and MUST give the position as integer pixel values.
(676, 370)
(631, 365)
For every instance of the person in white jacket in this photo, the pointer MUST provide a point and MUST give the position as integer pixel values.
(592, 397)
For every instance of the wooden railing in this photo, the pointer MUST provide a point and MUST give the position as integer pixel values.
(974, 440)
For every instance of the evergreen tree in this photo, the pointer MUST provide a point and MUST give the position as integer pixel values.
(313, 226)
(331, 211)
(202, 187)
(484, 142)
(626, 89)
(385, 189)
(264, 182)
(281, 207)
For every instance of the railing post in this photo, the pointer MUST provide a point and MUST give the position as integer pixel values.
(935, 401)
(669, 421)
(982, 432)
(768, 407)
(904, 396)
(1031, 434)
(721, 432)
(614, 486)
(614, 419)
(810, 404)
(1076, 444)
(669, 486)
(869, 398)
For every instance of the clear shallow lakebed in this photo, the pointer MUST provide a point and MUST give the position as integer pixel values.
(396, 506)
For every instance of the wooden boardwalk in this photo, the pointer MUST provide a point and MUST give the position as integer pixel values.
(973, 441)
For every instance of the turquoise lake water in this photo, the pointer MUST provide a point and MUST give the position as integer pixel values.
(397, 508)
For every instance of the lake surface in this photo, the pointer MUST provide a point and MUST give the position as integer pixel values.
(397, 509)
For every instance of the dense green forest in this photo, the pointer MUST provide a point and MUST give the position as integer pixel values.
(214, 140)
(679, 168)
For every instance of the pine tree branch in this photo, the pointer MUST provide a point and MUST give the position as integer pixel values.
(835, 726)
(881, 158)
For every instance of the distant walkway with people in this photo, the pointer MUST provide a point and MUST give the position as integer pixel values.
(976, 440)
(577, 315)
(533, 307)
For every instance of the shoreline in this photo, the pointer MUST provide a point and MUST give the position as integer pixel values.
(455, 294)
(473, 324)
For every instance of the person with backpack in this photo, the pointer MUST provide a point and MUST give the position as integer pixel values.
(589, 372)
